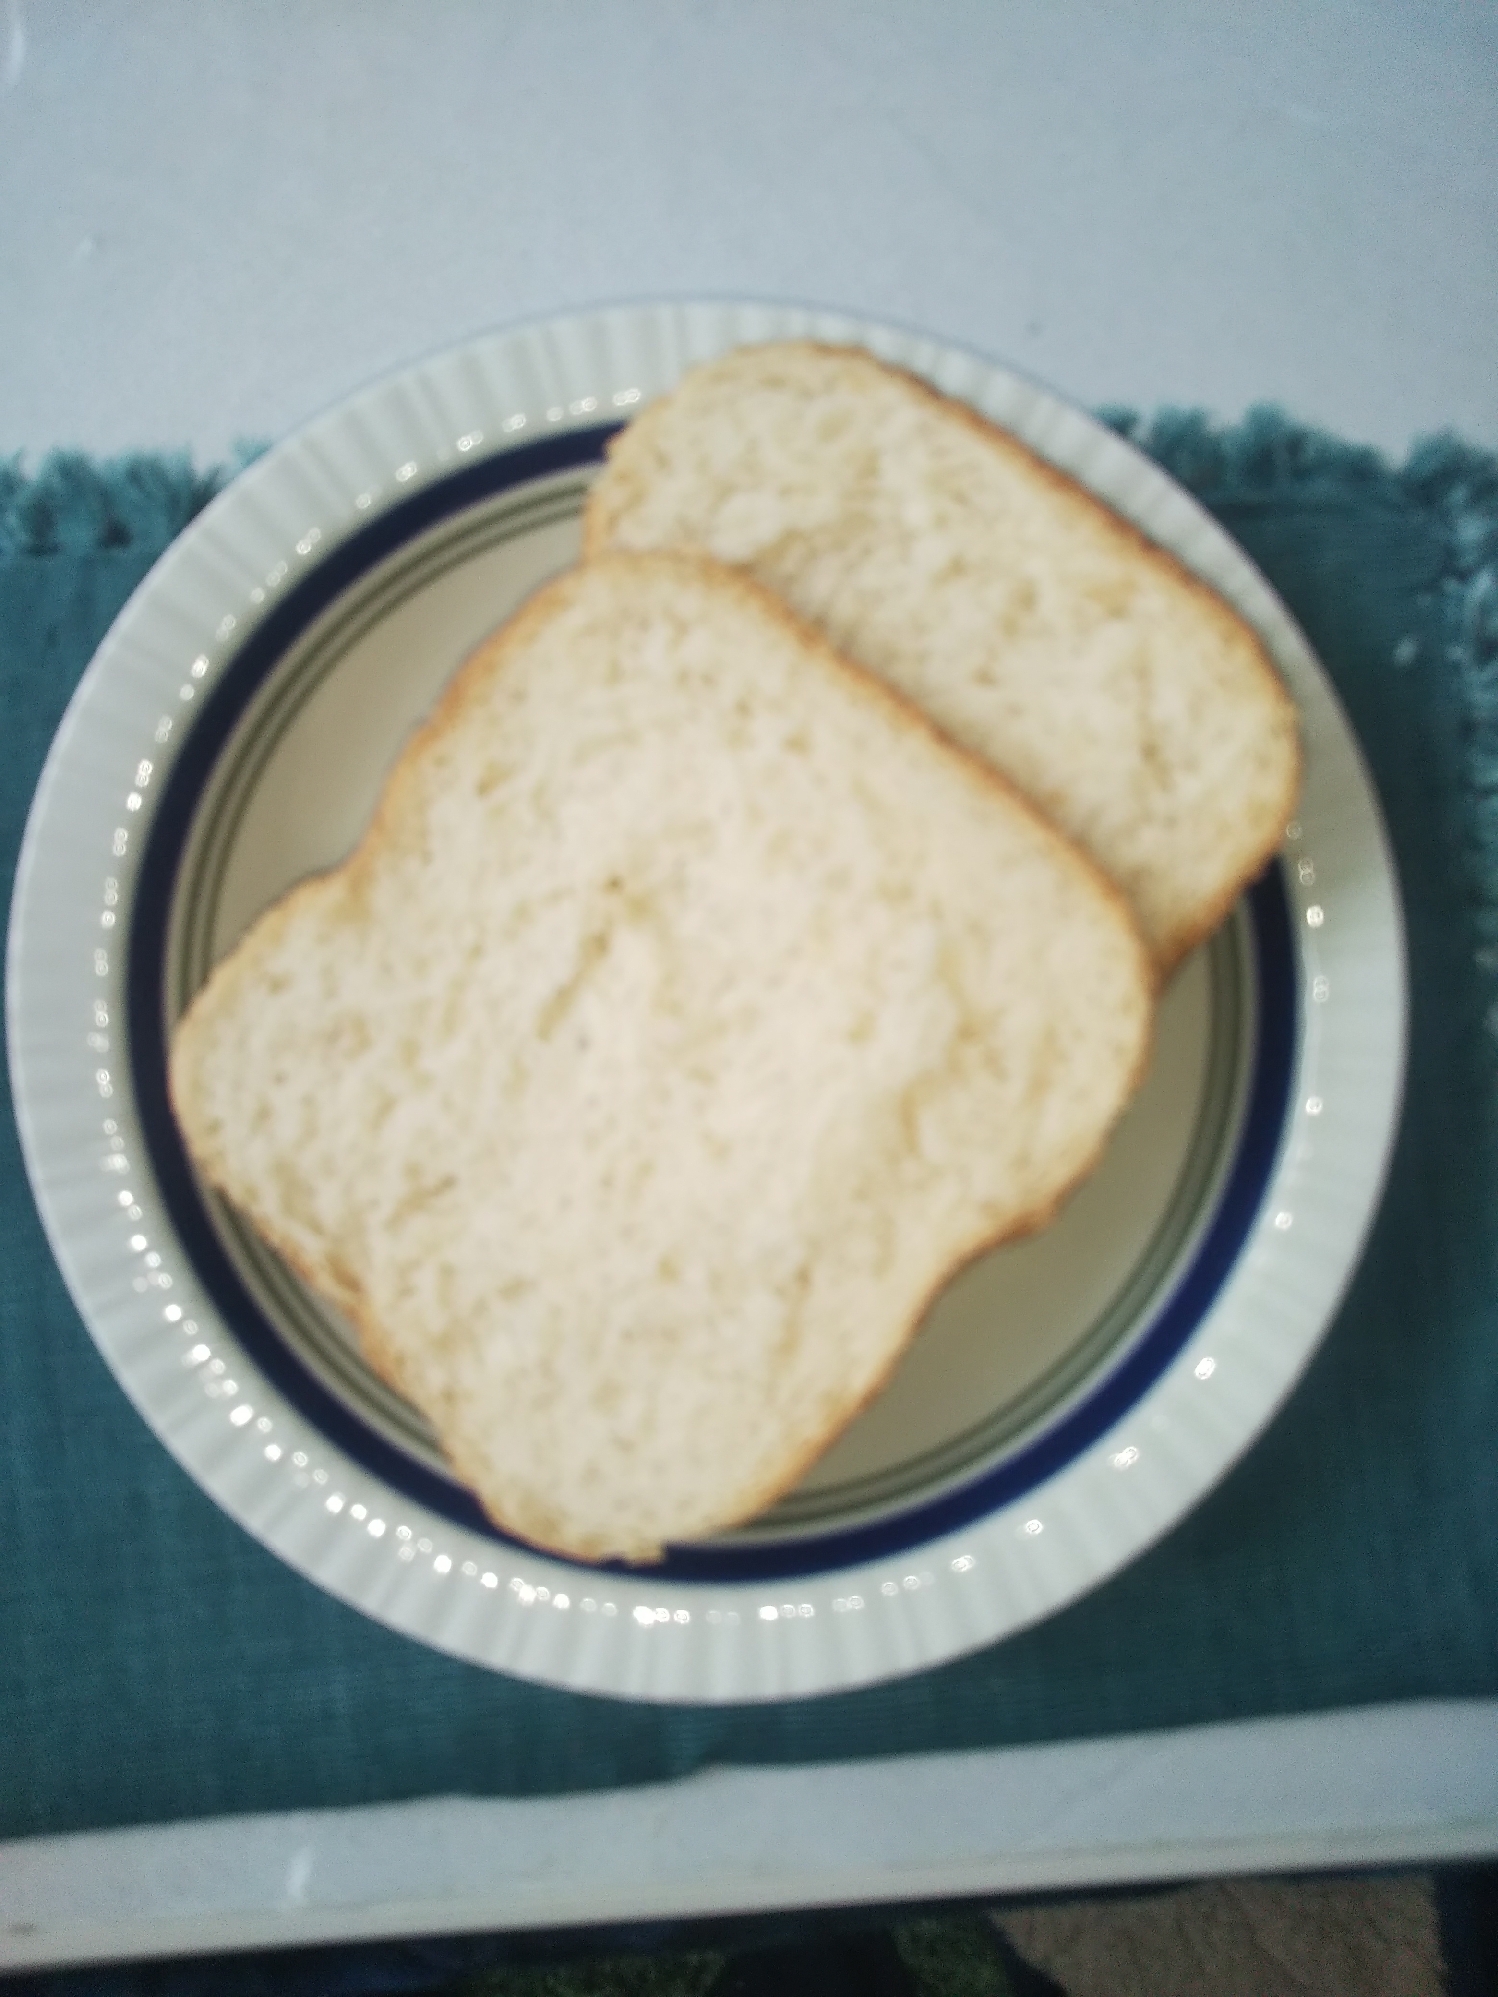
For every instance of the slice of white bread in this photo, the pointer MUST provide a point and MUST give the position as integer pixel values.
(690, 1011)
(1041, 631)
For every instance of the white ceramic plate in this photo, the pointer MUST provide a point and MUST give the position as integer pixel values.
(1068, 1399)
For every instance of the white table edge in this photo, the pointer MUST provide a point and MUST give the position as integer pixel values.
(1383, 1787)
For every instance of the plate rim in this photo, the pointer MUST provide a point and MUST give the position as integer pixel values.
(632, 1635)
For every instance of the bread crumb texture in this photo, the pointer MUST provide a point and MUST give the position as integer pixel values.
(690, 1011)
(1119, 693)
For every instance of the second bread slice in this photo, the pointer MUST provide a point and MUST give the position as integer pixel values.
(1043, 632)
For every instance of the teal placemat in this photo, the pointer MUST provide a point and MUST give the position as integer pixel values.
(155, 1663)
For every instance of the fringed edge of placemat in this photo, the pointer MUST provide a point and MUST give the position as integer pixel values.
(77, 505)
